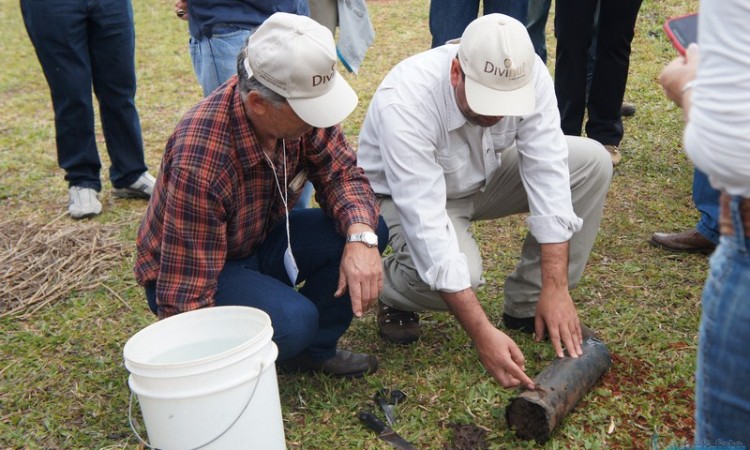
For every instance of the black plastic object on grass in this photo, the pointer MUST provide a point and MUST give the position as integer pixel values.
(534, 414)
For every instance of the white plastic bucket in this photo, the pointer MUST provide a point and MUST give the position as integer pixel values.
(206, 379)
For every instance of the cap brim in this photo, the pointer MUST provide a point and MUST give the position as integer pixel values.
(491, 102)
(328, 109)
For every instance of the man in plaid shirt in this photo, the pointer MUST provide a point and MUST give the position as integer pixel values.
(219, 229)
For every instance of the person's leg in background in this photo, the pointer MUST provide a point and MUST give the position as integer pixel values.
(58, 32)
(215, 57)
(706, 200)
(449, 19)
(326, 13)
(536, 24)
(573, 24)
(305, 197)
(518, 9)
(704, 237)
(615, 34)
(112, 49)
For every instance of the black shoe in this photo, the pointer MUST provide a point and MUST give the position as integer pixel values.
(627, 109)
(396, 326)
(527, 325)
(344, 364)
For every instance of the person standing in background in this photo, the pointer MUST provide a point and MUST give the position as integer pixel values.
(449, 18)
(218, 31)
(80, 46)
(712, 85)
(705, 235)
(574, 22)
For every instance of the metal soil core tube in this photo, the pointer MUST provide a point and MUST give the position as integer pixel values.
(535, 414)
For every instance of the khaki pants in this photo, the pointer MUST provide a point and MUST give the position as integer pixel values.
(590, 174)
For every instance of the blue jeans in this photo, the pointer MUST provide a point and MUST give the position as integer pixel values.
(309, 319)
(706, 200)
(536, 25)
(449, 18)
(80, 44)
(722, 394)
(215, 58)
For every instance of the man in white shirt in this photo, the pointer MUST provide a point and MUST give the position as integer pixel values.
(472, 132)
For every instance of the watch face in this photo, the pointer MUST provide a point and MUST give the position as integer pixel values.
(371, 238)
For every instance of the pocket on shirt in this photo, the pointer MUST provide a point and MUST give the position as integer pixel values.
(503, 139)
(452, 159)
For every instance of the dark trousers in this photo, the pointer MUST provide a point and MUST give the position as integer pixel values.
(449, 18)
(309, 319)
(80, 44)
(573, 24)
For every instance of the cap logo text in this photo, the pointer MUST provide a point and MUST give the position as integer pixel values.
(504, 72)
(321, 79)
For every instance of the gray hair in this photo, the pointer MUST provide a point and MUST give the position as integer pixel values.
(250, 83)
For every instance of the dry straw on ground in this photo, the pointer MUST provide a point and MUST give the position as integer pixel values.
(43, 263)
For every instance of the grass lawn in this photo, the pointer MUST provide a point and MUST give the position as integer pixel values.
(63, 384)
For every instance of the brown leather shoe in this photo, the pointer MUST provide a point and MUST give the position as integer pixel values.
(690, 241)
(344, 364)
(396, 326)
(614, 152)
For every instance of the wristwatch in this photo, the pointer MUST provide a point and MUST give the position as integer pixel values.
(368, 238)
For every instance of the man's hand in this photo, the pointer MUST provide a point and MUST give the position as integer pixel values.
(557, 313)
(678, 73)
(180, 9)
(502, 358)
(361, 273)
(498, 353)
(555, 310)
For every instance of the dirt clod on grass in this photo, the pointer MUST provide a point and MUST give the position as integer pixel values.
(467, 437)
(43, 263)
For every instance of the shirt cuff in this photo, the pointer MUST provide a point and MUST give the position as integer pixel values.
(450, 276)
(553, 229)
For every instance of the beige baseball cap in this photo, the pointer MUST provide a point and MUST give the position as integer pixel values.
(295, 57)
(497, 56)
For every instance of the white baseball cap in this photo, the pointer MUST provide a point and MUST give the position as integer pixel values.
(497, 56)
(295, 57)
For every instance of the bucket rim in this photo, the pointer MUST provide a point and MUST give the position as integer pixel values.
(238, 351)
(157, 394)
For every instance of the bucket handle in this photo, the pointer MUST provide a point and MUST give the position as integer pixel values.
(249, 400)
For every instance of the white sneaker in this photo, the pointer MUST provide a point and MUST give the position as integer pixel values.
(83, 202)
(142, 188)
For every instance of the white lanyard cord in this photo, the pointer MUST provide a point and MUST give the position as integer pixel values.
(283, 194)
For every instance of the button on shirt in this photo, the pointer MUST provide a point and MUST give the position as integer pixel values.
(417, 147)
(216, 197)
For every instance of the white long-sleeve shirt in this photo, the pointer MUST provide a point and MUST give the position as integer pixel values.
(717, 136)
(417, 147)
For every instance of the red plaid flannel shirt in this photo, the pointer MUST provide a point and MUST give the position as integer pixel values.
(216, 198)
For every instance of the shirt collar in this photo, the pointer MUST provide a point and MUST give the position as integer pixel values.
(455, 118)
(243, 134)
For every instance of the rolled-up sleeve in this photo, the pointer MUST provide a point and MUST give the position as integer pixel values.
(544, 168)
(417, 186)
